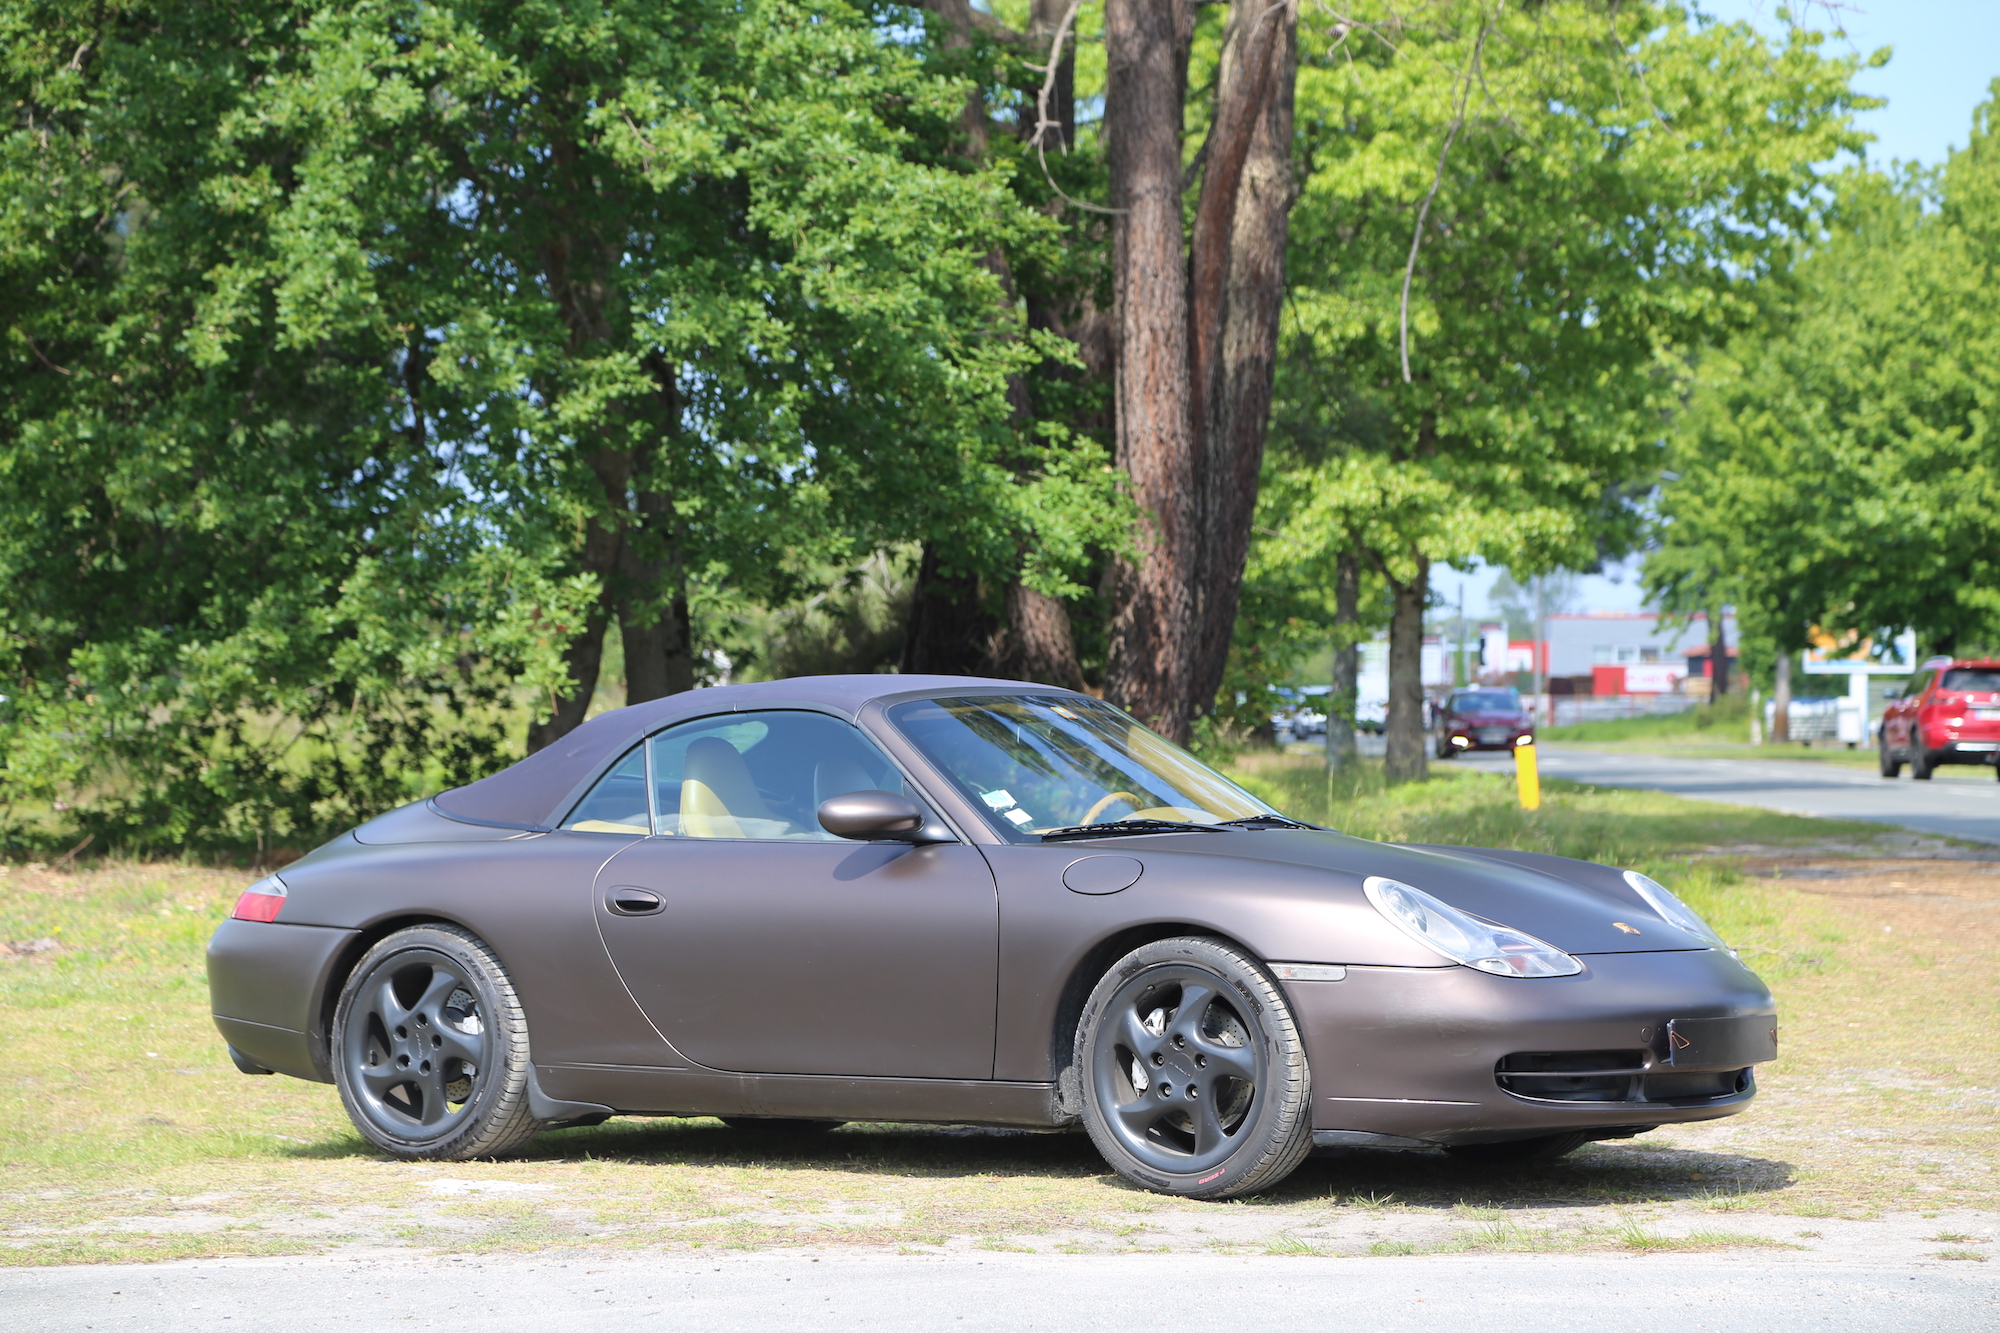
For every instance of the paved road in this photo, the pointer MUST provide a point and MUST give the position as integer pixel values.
(1509, 1293)
(1960, 802)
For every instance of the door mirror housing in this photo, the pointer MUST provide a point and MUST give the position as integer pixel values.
(878, 816)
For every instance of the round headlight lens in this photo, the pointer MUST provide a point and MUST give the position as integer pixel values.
(1671, 909)
(1466, 939)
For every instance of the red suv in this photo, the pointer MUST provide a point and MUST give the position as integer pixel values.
(1950, 714)
(1488, 718)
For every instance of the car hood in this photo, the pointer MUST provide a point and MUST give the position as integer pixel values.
(1570, 904)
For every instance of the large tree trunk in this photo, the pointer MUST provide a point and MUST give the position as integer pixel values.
(1236, 292)
(1152, 628)
(1197, 335)
(1039, 645)
(1407, 759)
(1341, 751)
(1781, 719)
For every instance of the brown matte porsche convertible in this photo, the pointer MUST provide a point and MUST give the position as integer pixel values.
(896, 898)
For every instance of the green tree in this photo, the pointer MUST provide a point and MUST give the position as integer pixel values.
(1839, 468)
(1566, 199)
(364, 361)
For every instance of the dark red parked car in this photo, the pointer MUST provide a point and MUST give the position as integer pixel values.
(1949, 714)
(1487, 718)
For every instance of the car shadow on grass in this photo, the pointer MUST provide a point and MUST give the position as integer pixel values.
(1597, 1175)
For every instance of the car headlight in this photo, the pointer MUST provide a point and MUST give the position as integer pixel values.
(1465, 939)
(1671, 909)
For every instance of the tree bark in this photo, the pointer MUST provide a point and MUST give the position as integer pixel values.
(1235, 343)
(1781, 699)
(1039, 645)
(1341, 751)
(1407, 758)
(1718, 657)
(1152, 627)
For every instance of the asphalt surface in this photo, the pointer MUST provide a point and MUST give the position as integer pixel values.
(1660, 1293)
(1959, 802)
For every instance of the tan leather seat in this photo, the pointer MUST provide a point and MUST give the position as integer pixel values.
(717, 793)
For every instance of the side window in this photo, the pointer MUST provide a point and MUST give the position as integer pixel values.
(761, 775)
(617, 804)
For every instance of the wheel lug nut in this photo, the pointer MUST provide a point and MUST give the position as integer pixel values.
(402, 1032)
(1192, 1091)
(1180, 1042)
(1159, 1059)
(437, 1042)
(1166, 1089)
(1201, 1062)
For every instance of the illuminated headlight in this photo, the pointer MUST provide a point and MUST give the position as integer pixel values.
(1671, 909)
(1464, 939)
(1460, 740)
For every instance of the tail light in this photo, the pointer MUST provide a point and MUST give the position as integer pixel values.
(261, 901)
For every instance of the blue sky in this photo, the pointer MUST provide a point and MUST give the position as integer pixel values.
(1944, 54)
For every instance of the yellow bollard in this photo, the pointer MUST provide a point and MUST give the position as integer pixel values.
(1529, 778)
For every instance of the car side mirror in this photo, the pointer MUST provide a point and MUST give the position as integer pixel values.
(876, 816)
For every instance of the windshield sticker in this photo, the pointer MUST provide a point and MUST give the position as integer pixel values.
(999, 800)
(1060, 711)
(1019, 817)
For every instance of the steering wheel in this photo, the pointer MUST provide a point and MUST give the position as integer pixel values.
(1106, 803)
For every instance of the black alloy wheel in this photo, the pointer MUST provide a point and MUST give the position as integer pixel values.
(430, 1048)
(1194, 1078)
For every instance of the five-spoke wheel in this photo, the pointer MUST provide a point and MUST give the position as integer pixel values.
(430, 1049)
(1194, 1078)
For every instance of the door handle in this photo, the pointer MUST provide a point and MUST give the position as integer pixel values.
(625, 900)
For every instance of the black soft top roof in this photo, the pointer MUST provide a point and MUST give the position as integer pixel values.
(533, 793)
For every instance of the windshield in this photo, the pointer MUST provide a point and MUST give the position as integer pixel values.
(1035, 762)
(1486, 701)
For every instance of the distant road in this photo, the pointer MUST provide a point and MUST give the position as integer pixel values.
(1960, 802)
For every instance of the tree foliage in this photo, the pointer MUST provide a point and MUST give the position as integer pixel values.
(1578, 196)
(363, 360)
(1840, 467)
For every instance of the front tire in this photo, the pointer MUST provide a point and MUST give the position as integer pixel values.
(430, 1048)
(1194, 1078)
(1891, 766)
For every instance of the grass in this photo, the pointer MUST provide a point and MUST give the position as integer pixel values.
(125, 1133)
(1725, 723)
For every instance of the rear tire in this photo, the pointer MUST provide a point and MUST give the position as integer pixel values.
(1193, 1074)
(430, 1048)
(1519, 1152)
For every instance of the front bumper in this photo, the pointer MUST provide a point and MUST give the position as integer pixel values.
(1415, 1053)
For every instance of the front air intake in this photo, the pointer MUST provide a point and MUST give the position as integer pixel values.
(1613, 1076)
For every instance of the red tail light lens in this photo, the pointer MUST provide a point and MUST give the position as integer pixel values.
(261, 901)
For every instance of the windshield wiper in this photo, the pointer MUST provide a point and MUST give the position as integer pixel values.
(1119, 827)
(1267, 821)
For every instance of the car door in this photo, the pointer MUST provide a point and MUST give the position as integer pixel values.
(759, 943)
